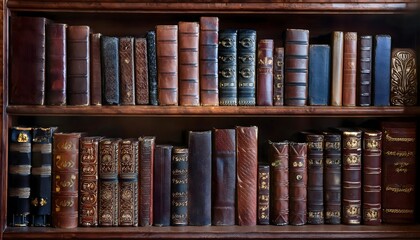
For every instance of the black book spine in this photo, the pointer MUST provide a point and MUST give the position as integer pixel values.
(162, 186)
(227, 68)
(110, 73)
(246, 62)
(179, 187)
(152, 67)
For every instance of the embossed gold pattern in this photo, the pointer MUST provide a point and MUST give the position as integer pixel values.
(403, 78)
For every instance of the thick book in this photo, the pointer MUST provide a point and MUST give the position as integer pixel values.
(265, 73)
(364, 71)
(403, 77)
(110, 71)
(95, 69)
(162, 186)
(146, 159)
(208, 48)
(349, 68)
(319, 79)
(127, 81)
(381, 70)
(152, 67)
(263, 201)
(78, 65)
(167, 62)
(298, 179)
(141, 72)
(247, 174)
(179, 187)
(246, 63)
(27, 51)
(337, 42)
(278, 76)
(228, 90)
(65, 180)
(296, 57)
(56, 64)
(224, 177)
(399, 172)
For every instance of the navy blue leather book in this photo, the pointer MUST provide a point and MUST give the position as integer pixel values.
(382, 70)
(179, 187)
(227, 68)
(152, 67)
(110, 73)
(319, 74)
(246, 66)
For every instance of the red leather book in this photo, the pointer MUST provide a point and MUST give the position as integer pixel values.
(298, 179)
(141, 73)
(349, 68)
(162, 186)
(126, 58)
(146, 157)
(265, 72)
(403, 77)
(263, 212)
(278, 75)
(95, 69)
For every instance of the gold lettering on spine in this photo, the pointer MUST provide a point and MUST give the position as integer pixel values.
(400, 189)
(398, 139)
(399, 153)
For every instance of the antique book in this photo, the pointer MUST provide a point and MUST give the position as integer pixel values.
(337, 68)
(162, 186)
(20, 159)
(126, 58)
(27, 51)
(141, 72)
(381, 70)
(108, 182)
(152, 67)
(296, 52)
(399, 172)
(265, 73)
(146, 166)
(224, 177)
(278, 76)
(349, 68)
(227, 68)
(364, 71)
(247, 174)
(208, 48)
(298, 179)
(279, 160)
(56, 64)
(65, 180)
(110, 73)
(246, 63)
(403, 77)
(95, 69)
(319, 79)
(263, 211)
(78, 65)
(372, 166)
(179, 187)
(167, 60)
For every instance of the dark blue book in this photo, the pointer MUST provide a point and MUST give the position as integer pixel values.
(382, 70)
(179, 187)
(319, 74)
(246, 49)
(227, 68)
(110, 73)
(152, 67)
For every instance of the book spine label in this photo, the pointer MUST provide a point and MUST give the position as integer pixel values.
(162, 186)
(263, 195)
(337, 69)
(227, 68)
(246, 50)
(278, 75)
(403, 77)
(298, 179)
(364, 74)
(110, 73)
(141, 73)
(126, 58)
(382, 70)
(146, 166)
(315, 178)
(152, 67)
(349, 68)
(179, 187)
(319, 81)
(265, 72)
(95, 69)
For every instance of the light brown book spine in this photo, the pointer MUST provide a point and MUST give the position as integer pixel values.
(126, 58)
(141, 73)
(349, 68)
(337, 69)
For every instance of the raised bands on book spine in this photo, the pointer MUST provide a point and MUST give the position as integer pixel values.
(227, 68)
(179, 187)
(246, 63)
(263, 195)
(364, 73)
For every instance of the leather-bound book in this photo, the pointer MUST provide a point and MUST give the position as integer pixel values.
(208, 49)
(265, 72)
(364, 71)
(227, 68)
(296, 54)
(246, 63)
(95, 69)
(247, 174)
(78, 65)
(399, 172)
(332, 178)
(167, 62)
(41, 176)
(56, 64)
(319, 81)
(126, 58)
(141, 73)
(27, 51)
(199, 178)
(298, 179)
(162, 186)
(381, 70)
(128, 167)
(108, 182)
(337, 68)
(110, 73)
(65, 183)
(372, 166)
(224, 177)
(263, 211)
(278, 76)
(152, 67)
(179, 187)
(279, 160)
(20, 159)
(349, 68)
(403, 77)
(146, 157)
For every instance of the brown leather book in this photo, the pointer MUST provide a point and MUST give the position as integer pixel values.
(65, 175)
(349, 68)
(141, 72)
(126, 57)
(298, 179)
(27, 51)
(247, 171)
(95, 69)
(265, 72)
(167, 62)
(162, 186)
(56, 64)
(179, 187)
(403, 77)
(364, 71)
(189, 87)
(279, 160)
(337, 69)
(263, 211)
(78, 65)
(146, 156)
(398, 172)
(278, 75)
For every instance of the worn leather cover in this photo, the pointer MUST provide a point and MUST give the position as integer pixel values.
(179, 187)
(227, 68)
(349, 68)
(337, 68)
(381, 70)
(265, 72)
(364, 71)
(319, 81)
(95, 69)
(146, 166)
(224, 177)
(110, 73)
(246, 66)
(141, 73)
(403, 77)
(126, 58)
(208, 49)
(152, 67)
(162, 186)
(278, 76)
(263, 211)
(298, 179)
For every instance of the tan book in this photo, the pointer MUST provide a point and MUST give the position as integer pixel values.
(337, 69)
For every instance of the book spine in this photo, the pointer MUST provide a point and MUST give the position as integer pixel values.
(382, 70)
(152, 67)
(319, 81)
(146, 166)
(349, 68)
(95, 69)
(162, 186)
(364, 80)
(110, 73)
(298, 179)
(227, 68)
(141, 73)
(246, 62)
(126, 58)
(403, 77)
(337, 69)
(179, 187)
(265, 72)
(263, 195)
(315, 178)
(278, 75)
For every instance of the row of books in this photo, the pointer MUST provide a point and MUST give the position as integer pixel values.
(195, 63)
(348, 176)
